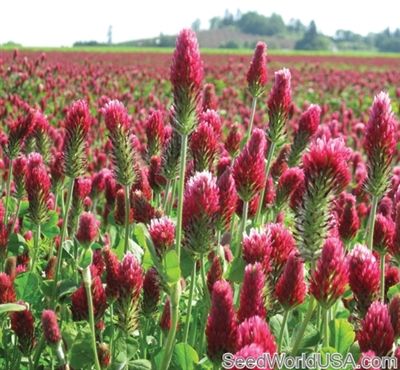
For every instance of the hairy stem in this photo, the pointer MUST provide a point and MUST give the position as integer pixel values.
(62, 239)
(268, 163)
(382, 266)
(306, 320)
(371, 222)
(283, 327)
(189, 306)
(35, 247)
(8, 190)
(87, 282)
(242, 228)
(127, 225)
(253, 112)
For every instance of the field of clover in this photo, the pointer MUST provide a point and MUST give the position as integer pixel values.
(160, 211)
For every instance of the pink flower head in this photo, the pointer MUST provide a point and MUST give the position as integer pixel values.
(116, 116)
(291, 288)
(50, 326)
(151, 291)
(288, 183)
(82, 187)
(119, 211)
(282, 244)
(327, 160)
(221, 329)
(380, 143)
(394, 311)
(187, 67)
(78, 118)
(79, 301)
(204, 146)
(329, 279)
(252, 302)
(232, 142)
(38, 186)
(23, 325)
(309, 121)
(257, 73)
(155, 133)
(131, 277)
(162, 233)
(200, 211)
(255, 330)
(213, 119)
(88, 229)
(256, 247)
(143, 211)
(376, 331)
(280, 98)
(214, 273)
(165, 320)
(19, 172)
(367, 356)
(210, 100)
(228, 200)
(112, 273)
(7, 292)
(249, 167)
(364, 275)
(384, 232)
(347, 216)
(251, 351)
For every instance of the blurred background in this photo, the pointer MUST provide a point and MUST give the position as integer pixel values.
(226, 24)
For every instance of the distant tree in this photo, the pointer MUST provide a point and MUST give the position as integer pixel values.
(196, 25)
(215, 23)
(296, 26)
(312, 40)
(230, 45)
(228, 19)
(257, 24)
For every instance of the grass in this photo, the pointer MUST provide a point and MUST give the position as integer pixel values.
(217, 51)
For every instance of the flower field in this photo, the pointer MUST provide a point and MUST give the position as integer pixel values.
(161, 210)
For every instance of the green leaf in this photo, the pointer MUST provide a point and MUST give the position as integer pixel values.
(50, 228)
(86, 258)
(27, 287)
(139, 365)
(324, 352)
(81, 354)
(51, 232)
(11, 307)
(393, 290)
(16, 244)
(184, 357)
(171, 266)
(341, 335)
(236, 270)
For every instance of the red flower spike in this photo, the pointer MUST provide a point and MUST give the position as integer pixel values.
(291, 288)
(249, 167)
(221, 329)
(331, 275)
(252, 301)
(376, 331)
(257, 73)
(50, 326)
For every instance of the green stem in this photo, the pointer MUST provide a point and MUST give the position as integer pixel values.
(300, 333)
(176, 289)
(62, 238)
(127, 221)
(242, 228)
(325, 329)
(271, 152)
(16, 216)
(165, 200)
(283, 327)
(189, 307)
(144, 341)
(382, 266)
(35, 247)
(87, 282)
(204, 281)
(371, 222)
(170, 342)
(8, 190)
(171, 201)
(253, 112)
(39, 349)
(181, 186)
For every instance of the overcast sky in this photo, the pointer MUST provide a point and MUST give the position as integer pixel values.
(62, 22)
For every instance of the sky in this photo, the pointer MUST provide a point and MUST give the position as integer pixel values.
(62, 22)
